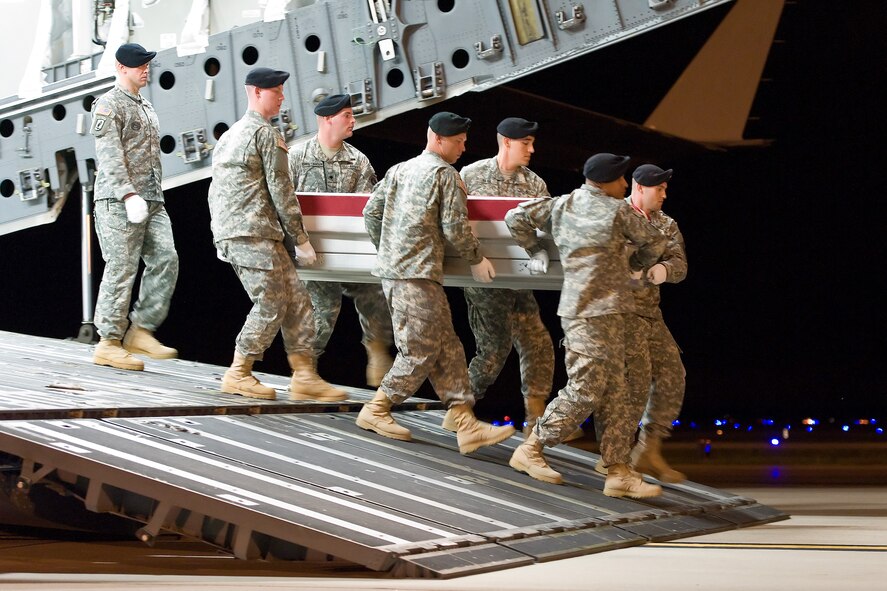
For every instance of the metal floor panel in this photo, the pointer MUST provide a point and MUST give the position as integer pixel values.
(300, 481)
(44, 378)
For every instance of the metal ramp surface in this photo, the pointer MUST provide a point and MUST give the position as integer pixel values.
(311, 485)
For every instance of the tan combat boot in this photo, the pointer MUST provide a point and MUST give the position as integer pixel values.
(647, 457)
(449, 421)
(376, 416)
(534, 407)
(472, 434)
(239, 379)
(307, 385)
(110, 352)
(622, 481)
(528, 458)
(379, 361)
(142, 342)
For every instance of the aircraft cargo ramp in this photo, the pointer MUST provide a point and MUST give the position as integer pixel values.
(289, 480)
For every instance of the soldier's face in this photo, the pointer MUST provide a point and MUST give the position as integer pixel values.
(452, 147)
(652, 197)
(520, 151)
(615, 188)
(138, 76)
(270, 100)
(343, 123)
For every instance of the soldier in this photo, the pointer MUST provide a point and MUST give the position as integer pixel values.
(590, 227)
(251, 202)
(130, 219)
(327, 163)
(654, 372)
(502, 317)
(419, 206)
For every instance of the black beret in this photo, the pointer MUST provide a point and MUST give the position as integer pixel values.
(133, 55)
(517, 128)
(447, 124)
(650, 175)
(332, 104)
(266, 77)
(603, 168)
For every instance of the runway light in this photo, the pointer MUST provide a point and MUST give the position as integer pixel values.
(719, 432)
(810, 421)
(845, 428)
(809, 429)
(749, 428)
(736, 425)
(767, 421)
(719, 422)
(774, 442)
(675, 423)
(862, 422)
(879, 430)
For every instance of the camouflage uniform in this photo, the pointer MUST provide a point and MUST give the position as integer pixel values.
(502, 317)
(590, 229)
(413, 212)
(654, 372)
(127, 144)
(251, 203)
(348, 171)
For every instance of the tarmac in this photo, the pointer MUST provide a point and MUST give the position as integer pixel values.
(836, 538)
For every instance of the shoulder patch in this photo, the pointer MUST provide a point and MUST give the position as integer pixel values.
(282, 144)
(103, 110)
(461, 184)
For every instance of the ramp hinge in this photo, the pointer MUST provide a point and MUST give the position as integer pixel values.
(429, 86)
(284, 122)
(577, 18)
(194, 146)
(494, 50)
(32, 184)
(362, 98)
(28, 477)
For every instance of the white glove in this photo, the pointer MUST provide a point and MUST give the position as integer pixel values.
(305, 254)
(538, 264)
(483, 272)
(136, 209)
(657, 274)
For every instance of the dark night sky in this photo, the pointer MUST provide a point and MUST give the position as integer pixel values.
(781, 313)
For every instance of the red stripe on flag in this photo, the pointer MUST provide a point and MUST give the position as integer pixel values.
(490, 209)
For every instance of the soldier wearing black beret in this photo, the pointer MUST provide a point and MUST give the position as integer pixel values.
(130, 215)
(252, 196)
(328, 164)
(502, 318)
(590, 227)
(654, 373)
(419, 206)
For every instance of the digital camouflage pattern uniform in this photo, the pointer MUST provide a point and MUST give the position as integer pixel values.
(127, 145)
(655, 375)
(418, 207)
(348, 171)
(590, 229)
(500, 318)
(251, 202)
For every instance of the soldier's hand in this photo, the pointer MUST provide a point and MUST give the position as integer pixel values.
(305, 254)
(657, 274)
(538, 263)
(136, 209)
(483, 272)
